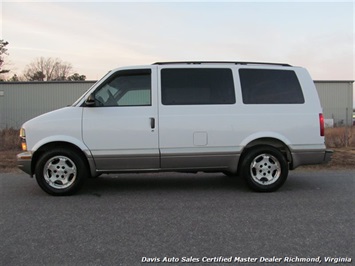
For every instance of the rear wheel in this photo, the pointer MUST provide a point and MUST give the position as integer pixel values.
(264, 168)
(60, 172)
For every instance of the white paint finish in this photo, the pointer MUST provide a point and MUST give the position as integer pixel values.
(122, 131)
(200, 138)
(60, 125)
(205, 135)
(117, 131)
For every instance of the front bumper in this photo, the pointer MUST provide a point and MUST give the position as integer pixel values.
(24, 162)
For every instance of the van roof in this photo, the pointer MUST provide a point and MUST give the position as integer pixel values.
(218, 62)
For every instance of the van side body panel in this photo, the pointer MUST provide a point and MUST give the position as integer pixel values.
(225, 130)
(163, 136)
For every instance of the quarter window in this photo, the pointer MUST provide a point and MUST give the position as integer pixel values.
(266, 86)
(194, 86)
(125, 88)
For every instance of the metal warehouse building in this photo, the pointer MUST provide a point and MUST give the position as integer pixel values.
(21, 101)
(336, 97)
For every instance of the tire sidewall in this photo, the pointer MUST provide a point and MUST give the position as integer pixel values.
(248, 159)
(81, 172)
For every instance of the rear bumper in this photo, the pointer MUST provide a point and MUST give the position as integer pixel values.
(310, 157)
(328, 156)
(24, 162)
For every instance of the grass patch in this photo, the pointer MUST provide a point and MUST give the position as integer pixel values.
(340, 137)
(10, 145)
(10, 140)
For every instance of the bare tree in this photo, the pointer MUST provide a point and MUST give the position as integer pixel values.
(45, 69)
(15, 78)
(76, 77)
(3, 51)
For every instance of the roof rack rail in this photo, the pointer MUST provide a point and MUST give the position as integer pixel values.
(218, 62)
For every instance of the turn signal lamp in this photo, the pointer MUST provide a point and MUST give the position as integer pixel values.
(24, 146)
(23, 139)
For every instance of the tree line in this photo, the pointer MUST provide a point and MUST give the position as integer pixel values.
(40, 69)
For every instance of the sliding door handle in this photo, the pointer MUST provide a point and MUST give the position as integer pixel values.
(152, 122)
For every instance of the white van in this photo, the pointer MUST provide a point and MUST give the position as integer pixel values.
(257, 120)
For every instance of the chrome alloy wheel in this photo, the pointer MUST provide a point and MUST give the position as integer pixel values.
(59, 172)
(265, 169)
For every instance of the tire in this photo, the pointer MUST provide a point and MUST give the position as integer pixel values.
(61, 172)
(264, 169)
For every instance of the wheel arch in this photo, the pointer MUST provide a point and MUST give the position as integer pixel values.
(267, 141)
(63, 145)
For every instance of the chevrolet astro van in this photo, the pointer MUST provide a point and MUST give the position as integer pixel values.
(255, 120)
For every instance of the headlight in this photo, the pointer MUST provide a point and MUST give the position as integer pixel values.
(23, 139)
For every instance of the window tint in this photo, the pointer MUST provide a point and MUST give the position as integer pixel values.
(264, 86)
(125, 88)
(197, 86)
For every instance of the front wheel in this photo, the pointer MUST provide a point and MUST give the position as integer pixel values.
(264, 168)
(60, 172)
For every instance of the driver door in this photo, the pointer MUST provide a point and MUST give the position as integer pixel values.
(120, 129)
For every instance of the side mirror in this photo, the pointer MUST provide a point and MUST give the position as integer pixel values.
(90, 101)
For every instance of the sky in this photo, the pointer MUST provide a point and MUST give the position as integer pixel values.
(98, 36)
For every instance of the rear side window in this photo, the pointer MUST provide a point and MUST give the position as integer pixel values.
(194, 86)
(265, 86)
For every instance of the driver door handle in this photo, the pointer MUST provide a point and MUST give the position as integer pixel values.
(152, 122)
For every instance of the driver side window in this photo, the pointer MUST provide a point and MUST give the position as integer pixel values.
(125, 88)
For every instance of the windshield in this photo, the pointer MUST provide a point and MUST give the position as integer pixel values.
(87, 92)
